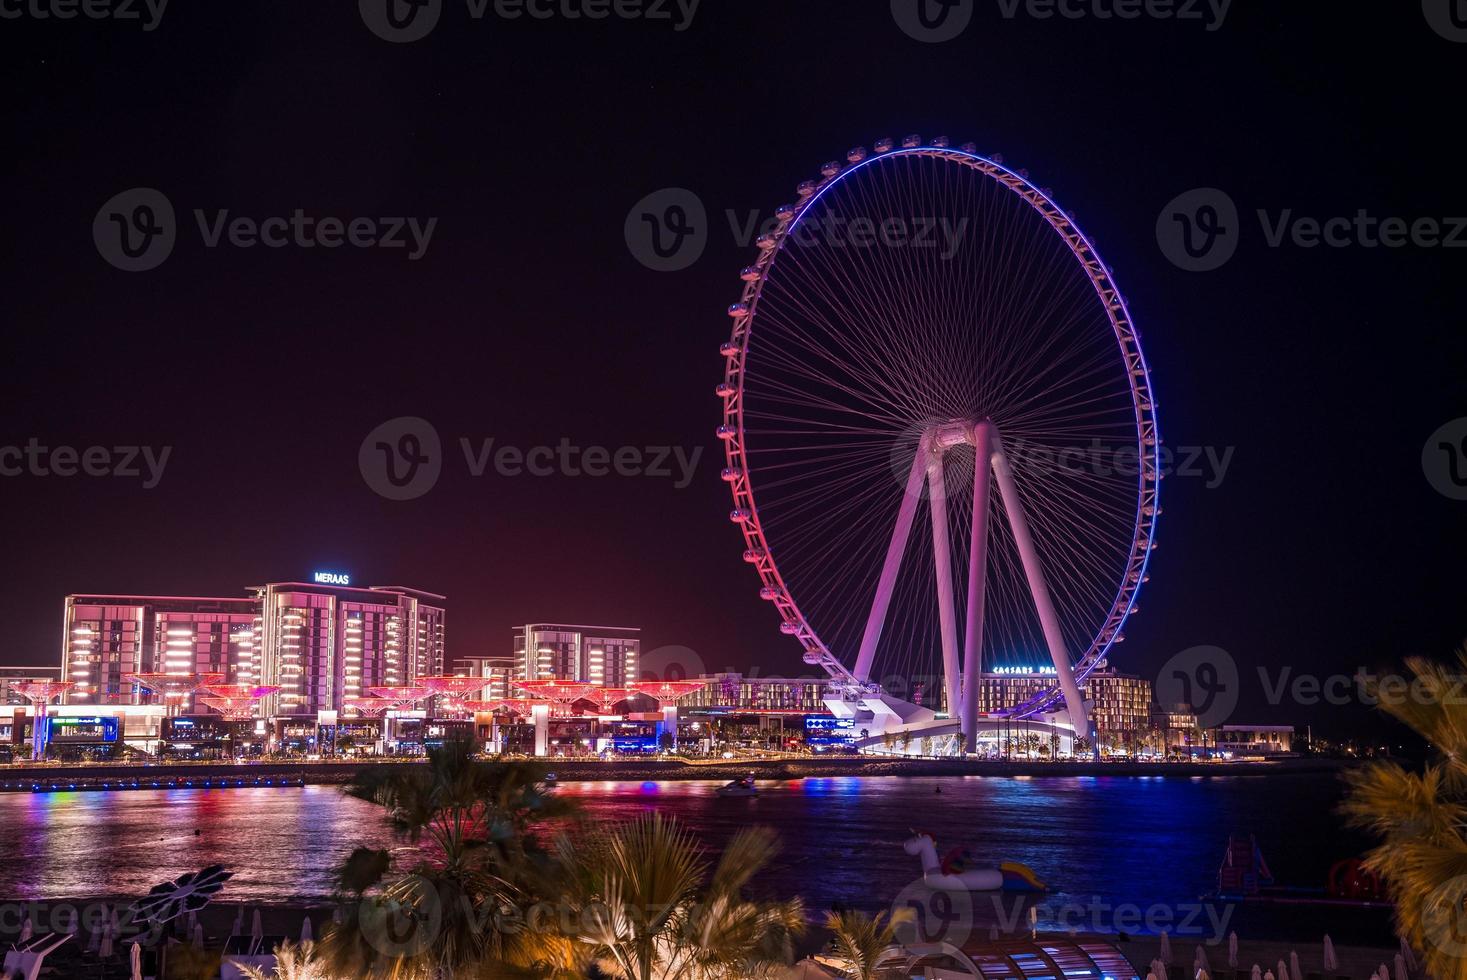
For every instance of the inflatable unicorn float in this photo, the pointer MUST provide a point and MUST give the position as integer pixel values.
(954, 873)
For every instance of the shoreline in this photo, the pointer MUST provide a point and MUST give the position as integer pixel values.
(118, 776)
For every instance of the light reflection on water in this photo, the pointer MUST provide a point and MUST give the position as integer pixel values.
(1118, 839)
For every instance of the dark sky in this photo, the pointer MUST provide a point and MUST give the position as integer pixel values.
(528, 319)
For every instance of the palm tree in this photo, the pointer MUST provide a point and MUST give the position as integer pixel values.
(861, 941)
(1421, 817)
(292, 963)
(643, 906)
(476, 821)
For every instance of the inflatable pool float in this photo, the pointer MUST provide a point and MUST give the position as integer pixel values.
(954, 874)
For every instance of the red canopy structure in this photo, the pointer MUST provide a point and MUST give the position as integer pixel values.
(235, 701)
(401, 698)
(365, 706)
(607, 698)
(665, 693)
(40, 693)
(173, 689)
(562, 694)
(450, 690)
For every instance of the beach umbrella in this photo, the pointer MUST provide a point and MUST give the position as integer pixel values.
(1294, 970)
(198, 935)
(105, 949)
(135, 958)
(1232, 950)
(114, 923)
(993, 934)
(1166, 948)
(1033, 922)
(1401, 973)
(1159, 968)
(1383, 972)
(1330, 962)
(71, 923)
(1269, 975)
(193, 920)
(306, 930)
(238, 922)
(94, 936)
(1153, 976)
(26, 929)
(1199, 962)
(1283, 971)
(1257, 974)
(257, 931)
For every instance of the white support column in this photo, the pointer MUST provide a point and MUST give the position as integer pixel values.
(977, 583)
(540, 713)
(1048, 619)
(946, 611)
(894, 551)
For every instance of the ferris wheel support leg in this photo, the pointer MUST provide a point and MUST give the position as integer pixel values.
(946, 610)
(977, 584)
(1048, 619)
(887, 582)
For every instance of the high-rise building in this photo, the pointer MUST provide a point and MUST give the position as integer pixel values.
(108, 637)
(1120, 702)
(602, 655)
(319, 642)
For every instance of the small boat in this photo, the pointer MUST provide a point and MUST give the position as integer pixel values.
(550, 779)
(743, 786)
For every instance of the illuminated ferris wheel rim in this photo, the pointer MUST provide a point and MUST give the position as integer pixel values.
(731, 432)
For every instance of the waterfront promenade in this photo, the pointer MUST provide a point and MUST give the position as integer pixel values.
(31, 777)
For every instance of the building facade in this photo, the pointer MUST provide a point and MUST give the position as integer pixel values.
(496, 671)
(761, 695)
(319, 643)
(602, 655)
(1120, 703)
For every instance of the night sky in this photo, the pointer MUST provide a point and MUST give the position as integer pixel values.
(528, 319)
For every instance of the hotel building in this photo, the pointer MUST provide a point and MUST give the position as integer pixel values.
(760, 695)
(601, 655)
(320, 643)
(1120, 703)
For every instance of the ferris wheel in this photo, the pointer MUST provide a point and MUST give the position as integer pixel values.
(941, 438)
